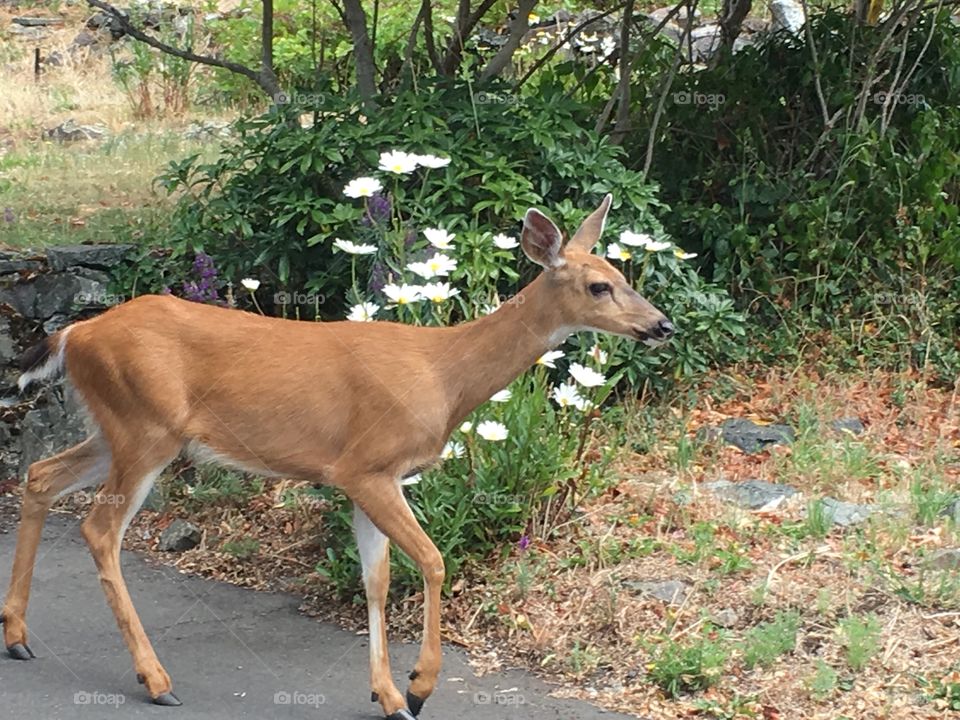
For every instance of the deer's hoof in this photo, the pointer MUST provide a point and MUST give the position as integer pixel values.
(19, 651)
(168, 699)
(402, 714)
(414, 703)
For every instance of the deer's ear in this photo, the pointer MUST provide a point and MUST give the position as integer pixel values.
(541, 239)
(587, 237)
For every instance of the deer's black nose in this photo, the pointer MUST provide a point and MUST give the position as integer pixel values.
(664, 329)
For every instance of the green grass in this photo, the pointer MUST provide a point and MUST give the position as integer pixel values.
(692, 665)
(93, 191)
(861, 639)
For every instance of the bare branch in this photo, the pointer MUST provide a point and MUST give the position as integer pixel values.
(465, 24)
(566, 38)
(622, 125)
(518, 28)
(356, 20)
(266, 81)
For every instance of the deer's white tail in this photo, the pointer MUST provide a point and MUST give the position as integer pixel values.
(44, 360)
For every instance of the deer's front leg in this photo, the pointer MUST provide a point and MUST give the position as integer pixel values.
(374, 549)
(385, 507)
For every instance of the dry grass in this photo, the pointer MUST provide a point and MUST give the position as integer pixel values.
(88, 190)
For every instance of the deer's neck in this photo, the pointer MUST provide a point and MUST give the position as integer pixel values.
(494, 350)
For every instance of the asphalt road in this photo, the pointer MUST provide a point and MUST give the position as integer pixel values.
(232, 653)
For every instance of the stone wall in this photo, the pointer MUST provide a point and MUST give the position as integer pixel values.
(39, 294)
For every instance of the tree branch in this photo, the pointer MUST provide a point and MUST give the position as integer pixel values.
(622, 125)
(518, 28)
(566, 38)
(266, 81)
(465, 24)
(356, 20)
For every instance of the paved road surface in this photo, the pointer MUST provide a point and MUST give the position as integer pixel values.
(232, 653)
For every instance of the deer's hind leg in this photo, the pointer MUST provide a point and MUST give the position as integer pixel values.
(132, 474)
(77, 467)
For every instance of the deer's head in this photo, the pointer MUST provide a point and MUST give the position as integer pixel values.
(591, 294)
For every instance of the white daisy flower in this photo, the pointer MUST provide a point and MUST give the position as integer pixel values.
(412, 480)
(439, 238)
(452, 450)
(363, 312)
(683, 255)
(362, 187)
(633, 239)
(615, 252)
(567, 395)
(466, 427)
(657, 246)
(598, 354)
(403, 294)
(492, 430)
(438, 292)
(549, 359)
(398, 162)
(505, 242)
(501, 396)
(438, 266)
(348, 246)
(250, 284)
(431, 161)
(586, 376)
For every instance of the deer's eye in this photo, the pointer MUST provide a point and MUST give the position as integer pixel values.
(600, 288)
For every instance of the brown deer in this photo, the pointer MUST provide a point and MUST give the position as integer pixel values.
(316, 401)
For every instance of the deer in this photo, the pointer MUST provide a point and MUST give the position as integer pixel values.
(318, 401)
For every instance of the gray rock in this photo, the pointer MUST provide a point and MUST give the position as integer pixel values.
(90, 256)
(851, 425)
(726, 618)
(55, 424)
(29, 33)
(13, 263)
(179, 536)
(751, 438)
(947, 559)
(844, 513)
(154, 500)
(705, 42)
(55, 323)
(9, 454)
(71, 131)
(56, 294)
(786, 15)
(86, 38)
(673, 592)
(37, 21)
(952, 510)
(752, 494)
(206, 130)
(682, 17)
(8, 348)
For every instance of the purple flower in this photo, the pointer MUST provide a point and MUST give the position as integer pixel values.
(8, 216)
(524, 543)
(204, 289)
(378, 277)
(379, 209)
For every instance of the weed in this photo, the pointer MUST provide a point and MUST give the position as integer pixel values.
(823, 682)
(695, 665)
(766, 642)
(242, 548)
(861, 638)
